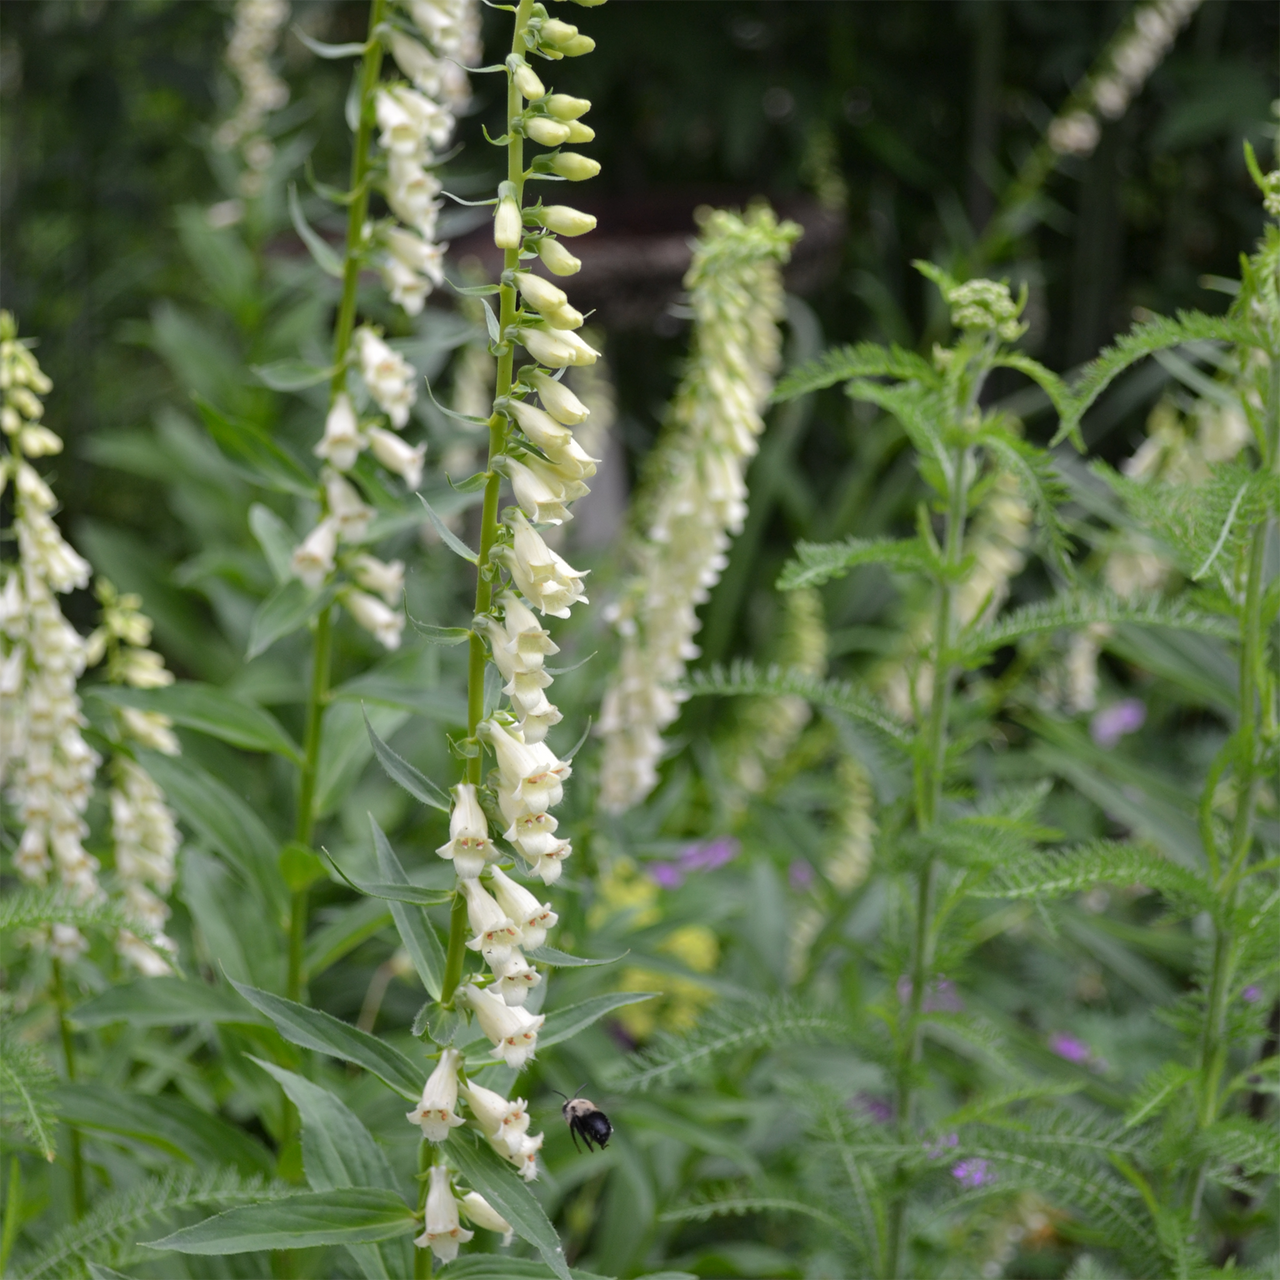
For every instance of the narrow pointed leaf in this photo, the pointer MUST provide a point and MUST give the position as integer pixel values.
(416, 930)
(162, 1002)
(447, 535)
(256, 455)
(566, 1023)
(325, 257)
(352, 1215)
(290, 606)
(313, 1029)
(399, 770)
(563, 960)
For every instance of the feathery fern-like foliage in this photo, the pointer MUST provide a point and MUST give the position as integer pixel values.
(865, 360)
(26, 1085)
(33, 908)
(722, 1030)
(819, 562)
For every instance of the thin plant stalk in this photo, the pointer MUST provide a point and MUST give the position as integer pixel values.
(321, 640)
(1254, 719)
(78, 1200)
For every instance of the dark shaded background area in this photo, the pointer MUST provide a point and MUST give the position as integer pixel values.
(900, 121)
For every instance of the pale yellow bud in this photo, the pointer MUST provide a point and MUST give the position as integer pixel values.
(558, 400)
(576, 47)
(556, 33)
(540, 293)
(559, 261)
(582, 352)
(575, 167)
(564, 318)
(548, 348)
(526, 80)
(565, 106)
(551, 133)
(579, 132)
(565, 221)
(508, 227)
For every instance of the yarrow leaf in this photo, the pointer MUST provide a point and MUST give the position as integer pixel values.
(819, 562)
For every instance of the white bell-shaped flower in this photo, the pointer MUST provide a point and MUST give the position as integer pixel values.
(436, 1110)
(528, 772)
(313, 557)
(503, 1122)
(370, 613)
(516, 978)
(483, 1214)
(349, 513)
(342, 440)
(533, 917)
(543, 577)
(398, 457)
(469, 845)
(496, 934)
(442, 1232)
(514, 1032)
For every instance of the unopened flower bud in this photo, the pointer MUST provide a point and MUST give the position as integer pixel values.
(507, 225)
(575, 167)
(579, 132)
(396, 456)
(38, 442)
(576, 47)
(525, 78)
(386, 579)
(540, 293)
(588, 4)
(583, 352)
(558, 401)
(565, 221)
(558, 260)
(565, 106)
(551, 133)
(370, 613)
(556, 33)
(565, 317)
(540, 427)
(546, 347)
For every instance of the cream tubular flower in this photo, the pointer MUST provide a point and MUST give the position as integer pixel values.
(442, 1232)
(526, 640)
(516, 978)
(565, 221)
(508, 225)
(370, 613)
(540, 427)
(549, 347)
(540, 294)
(383, 578)
(558, 400)
(483, 1214)
(347, 511)
(542, 577)
(528, 772)
(495, 934)
(539, 500)
(514, 1032)
(342, 439)
(556, 258)
(435, 1111)
(469, 846)
(504, 1123)
(388, 375)
(533, 917)
(398, 457)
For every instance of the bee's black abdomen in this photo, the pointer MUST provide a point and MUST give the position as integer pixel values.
(596, 1128)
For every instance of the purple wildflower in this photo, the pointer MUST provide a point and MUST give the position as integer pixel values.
(973, 1173)
(707, 855)
(877, 1109)
(667, 875)
(800, 874)
(1251, 994)
(1111, 724)
(939, 1147)
(1070, 1048)
(940, 996)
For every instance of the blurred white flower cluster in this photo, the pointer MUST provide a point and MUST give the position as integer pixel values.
(697, 502)
(416, 122)
(1128, 62)
(46, 766)
(255, 32)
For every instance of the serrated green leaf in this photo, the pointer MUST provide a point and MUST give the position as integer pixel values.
(842, 364)
(314, 1029)
(819, 562)
(27, 1082)
(210, 710)
(1157, 1091)
(352, 1215)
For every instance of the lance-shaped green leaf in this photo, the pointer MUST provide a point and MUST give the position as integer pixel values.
(325, 258)
(169, 1123)
(256, 455)
(399, 770)
(503, 1188)
(349, 1216)
(563, 960)
(162, 1002)
(416, 930)
(447, 535)
(291, 374)
(337, 1150)
(290, 606)
(313, 1029)
(566, 1023)
(221, 818)
(210, 710)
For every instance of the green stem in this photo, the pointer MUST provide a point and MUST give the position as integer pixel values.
(422, 1258)
(456, 953)
(930, 775)
(12, 1213)
(1213, 1042)
(78, 1199)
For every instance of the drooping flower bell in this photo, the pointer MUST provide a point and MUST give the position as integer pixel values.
(436, 1111)
(442, 1232)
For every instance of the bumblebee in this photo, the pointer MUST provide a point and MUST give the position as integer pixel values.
(585, 1118)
